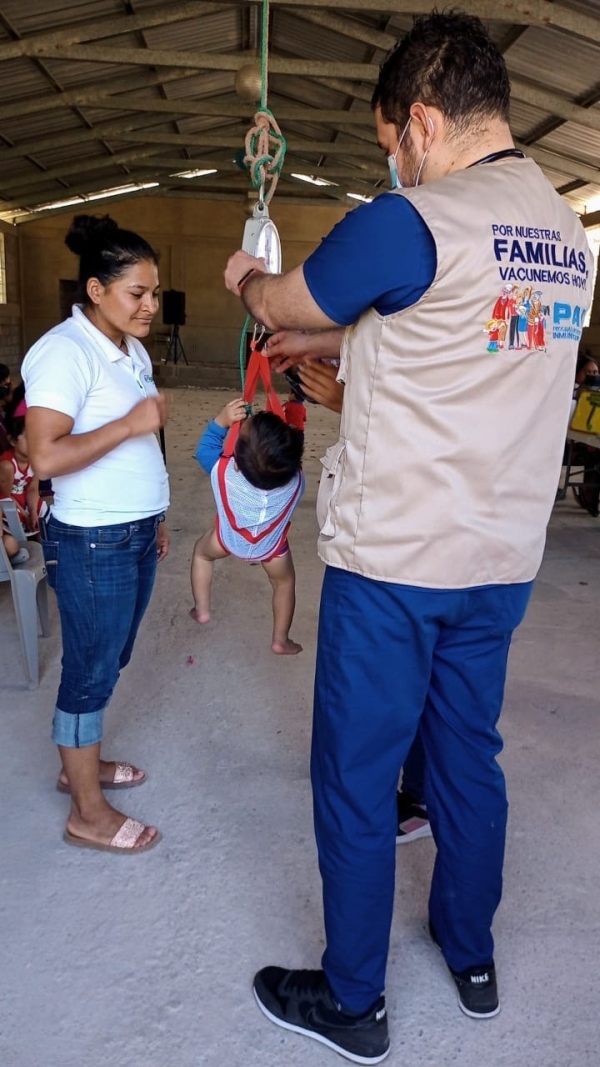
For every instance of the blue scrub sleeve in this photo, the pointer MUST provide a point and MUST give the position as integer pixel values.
(381, 255)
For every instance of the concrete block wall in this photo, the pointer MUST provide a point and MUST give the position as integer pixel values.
(11, 342)
(194, 239)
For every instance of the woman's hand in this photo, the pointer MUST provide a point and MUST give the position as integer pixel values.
(319, 383)
(163, 541)
(148, 416)
(234, 411)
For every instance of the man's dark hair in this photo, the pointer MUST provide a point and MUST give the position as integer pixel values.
(4, 372)
(447, 61)
(268, 451)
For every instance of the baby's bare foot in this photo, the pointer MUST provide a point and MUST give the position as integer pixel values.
(199, 616)
(286, 648)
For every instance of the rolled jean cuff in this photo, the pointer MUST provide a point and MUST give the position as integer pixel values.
(77, 731)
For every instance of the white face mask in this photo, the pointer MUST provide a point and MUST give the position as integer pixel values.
(393, 163)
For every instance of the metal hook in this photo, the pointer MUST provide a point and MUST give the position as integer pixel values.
(256, 336)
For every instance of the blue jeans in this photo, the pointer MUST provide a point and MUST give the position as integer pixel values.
(392, 660)
(103, 578)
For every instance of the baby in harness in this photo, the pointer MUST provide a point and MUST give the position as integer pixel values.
(257, 482)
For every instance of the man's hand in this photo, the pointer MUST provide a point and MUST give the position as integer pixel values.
(286, 348)
(148, 416)
(163, 541)
(234, 411)
(319, 383)
(238, 266)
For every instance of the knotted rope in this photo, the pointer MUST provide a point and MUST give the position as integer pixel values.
(265, 152)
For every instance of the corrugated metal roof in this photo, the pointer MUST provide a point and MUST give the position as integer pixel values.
(201, 85)
(542, 56)
(222, 32)
(574, 142)
(19, 78)
(23, 130)
(74, 74)
(39, 15)
(296, 36)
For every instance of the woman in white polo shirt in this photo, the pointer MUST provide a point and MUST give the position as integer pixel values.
(93, 414)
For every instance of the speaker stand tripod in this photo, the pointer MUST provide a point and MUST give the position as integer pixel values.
(175, 347)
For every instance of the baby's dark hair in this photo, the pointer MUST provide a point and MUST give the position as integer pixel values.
(15, 424)
(268, 451)
(105, 250)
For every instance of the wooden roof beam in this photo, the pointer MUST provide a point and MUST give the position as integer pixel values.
(283, 65)
(159, 15)
(526, 13)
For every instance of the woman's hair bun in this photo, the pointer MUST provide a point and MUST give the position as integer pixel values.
(86, 230)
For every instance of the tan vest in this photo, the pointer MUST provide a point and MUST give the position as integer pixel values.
(451, 442)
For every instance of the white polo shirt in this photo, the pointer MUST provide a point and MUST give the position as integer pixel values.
(78, 371)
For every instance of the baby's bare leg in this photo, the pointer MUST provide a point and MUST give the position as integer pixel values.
(206, 551)
(282, 577)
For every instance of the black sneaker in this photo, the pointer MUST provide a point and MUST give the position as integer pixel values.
(413, 820)
(477, 991)
(302, 1001)
(477, 988)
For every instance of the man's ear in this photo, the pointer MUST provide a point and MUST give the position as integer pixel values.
(426, 122)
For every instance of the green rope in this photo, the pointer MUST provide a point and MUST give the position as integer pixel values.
(264, 52)
(275, 162)
(242, 353)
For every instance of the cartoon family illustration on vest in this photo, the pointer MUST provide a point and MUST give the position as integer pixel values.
(518, 317)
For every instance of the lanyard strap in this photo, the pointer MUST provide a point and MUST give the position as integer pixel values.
(505, 153)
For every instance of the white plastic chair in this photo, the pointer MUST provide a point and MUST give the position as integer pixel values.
(29, 587)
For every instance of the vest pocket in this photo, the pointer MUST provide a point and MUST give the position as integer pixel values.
(329, 487)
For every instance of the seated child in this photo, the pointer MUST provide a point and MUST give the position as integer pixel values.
(14, 553)
(16, 475)
(256, 491)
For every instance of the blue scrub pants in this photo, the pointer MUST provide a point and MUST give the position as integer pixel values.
(392, 658)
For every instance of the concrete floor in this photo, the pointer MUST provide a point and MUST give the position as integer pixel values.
(112, 961)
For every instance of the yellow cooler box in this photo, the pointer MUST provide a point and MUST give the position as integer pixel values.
(586, 417)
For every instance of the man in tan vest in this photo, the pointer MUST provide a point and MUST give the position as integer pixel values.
(434, 507)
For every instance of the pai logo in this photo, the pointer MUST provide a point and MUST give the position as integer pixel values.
(567, 321)
(568, 315)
